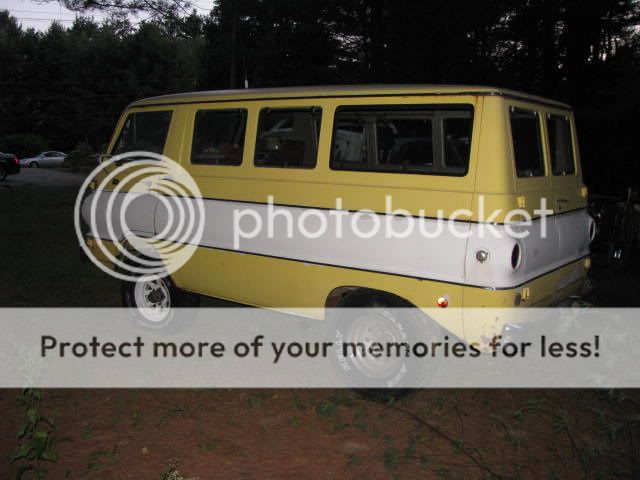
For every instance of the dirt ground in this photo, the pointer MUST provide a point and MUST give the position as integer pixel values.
(270, 434)
(281, 434)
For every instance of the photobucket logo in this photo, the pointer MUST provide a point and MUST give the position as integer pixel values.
(275, 221)
(142, 213)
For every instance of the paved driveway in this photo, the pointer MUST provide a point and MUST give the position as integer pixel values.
(42, 177)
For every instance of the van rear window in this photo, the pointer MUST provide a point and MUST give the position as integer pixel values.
(421, 139)
(527, 142)
(560, 145)
(143, 131)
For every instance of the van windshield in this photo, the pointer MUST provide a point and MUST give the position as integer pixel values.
(143, 131)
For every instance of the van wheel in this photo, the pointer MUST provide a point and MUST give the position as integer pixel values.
(156, 302)
(387, 319)
(3, 173)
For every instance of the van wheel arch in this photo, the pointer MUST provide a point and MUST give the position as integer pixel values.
(365, 297)
(339, 294)
(397, 319)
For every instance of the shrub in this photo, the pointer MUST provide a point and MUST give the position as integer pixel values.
(81, 156)
(23, 145)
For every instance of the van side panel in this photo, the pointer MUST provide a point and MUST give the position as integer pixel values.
(321, 186)
(282, 284)
(298, 280)
(494, 178)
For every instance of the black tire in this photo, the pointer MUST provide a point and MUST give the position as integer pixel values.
(3, 173)
(182, 305)
(34, 165)
(393, 320)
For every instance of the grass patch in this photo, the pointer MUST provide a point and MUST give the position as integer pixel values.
(326, 409)
(391, 458)
(209, 445)
(136, 419)
(102, 458)
(87, 431)
(41, 264)
(173, 412)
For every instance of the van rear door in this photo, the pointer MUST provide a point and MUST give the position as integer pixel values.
(533, 189)
(569, 193)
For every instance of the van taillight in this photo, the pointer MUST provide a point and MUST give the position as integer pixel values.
(515, 256)
(16, 161)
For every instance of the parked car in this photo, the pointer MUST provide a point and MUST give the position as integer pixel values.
(44, 159)
(9, 165)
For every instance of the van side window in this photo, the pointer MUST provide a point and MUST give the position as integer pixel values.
(288, 138)
(560, 145)
(143, 131)
(457, 141)
(527, 142)
(404, 141)
(218, 137)
(350, 142)
(420, 139)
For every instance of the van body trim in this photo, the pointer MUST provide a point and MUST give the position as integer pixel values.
(348, 210)
(497, 93)
(428, 250)
(413, 277)
(379, 272)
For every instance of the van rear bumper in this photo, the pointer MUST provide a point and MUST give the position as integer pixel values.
(544, 291)
(559, 288)
(517, 332)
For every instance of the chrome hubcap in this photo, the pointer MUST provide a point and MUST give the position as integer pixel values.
(153, 298)
(368, 330)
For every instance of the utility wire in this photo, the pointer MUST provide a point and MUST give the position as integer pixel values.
(60, 83)
(45, 19)
(60, 115)
(39, 12)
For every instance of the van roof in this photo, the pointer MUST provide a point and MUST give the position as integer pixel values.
(338, 91)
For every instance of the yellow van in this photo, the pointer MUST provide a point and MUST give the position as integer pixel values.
(470, 159)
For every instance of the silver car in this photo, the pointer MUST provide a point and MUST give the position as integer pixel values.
(45, 159)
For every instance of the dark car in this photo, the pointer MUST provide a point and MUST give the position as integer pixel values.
(9, 165)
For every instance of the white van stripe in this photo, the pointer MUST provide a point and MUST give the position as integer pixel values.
(414, 255)
(445, 258)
